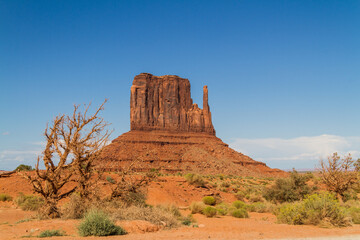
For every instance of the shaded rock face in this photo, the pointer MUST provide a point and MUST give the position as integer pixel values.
(164, 103)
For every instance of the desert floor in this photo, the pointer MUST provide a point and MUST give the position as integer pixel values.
(14, 222)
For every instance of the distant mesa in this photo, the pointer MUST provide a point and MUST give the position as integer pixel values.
(172, 134)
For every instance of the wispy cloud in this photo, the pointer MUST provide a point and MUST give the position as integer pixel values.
(297, 149)
(5, 133)
(9, 159)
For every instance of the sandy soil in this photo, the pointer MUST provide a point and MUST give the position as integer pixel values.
(258, 226)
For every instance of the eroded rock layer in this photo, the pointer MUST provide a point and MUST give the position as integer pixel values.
(181, 152)
(164, 103)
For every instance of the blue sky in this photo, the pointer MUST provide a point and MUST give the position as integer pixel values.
(283, 76)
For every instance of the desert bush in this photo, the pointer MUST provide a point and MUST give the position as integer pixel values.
(188, 220)
(351, 203)
(339, 174)
(209, 200)
(195, 180)
(240, 195)
(354, 213)
(75, 208)
(97, 223)
(51, 233)
(261, 207)
(318, 209)
(239, 204)
(174, 210)
(29, 202)
(240, 213)
(158, 215)
(350, 194)
(288, 189)
(222, 209)
(209, 211)
(197, 207)
(23, 167)
(5, 197)
(255, 198)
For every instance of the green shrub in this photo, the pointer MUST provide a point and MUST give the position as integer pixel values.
(197, 207)
(258, 207)
(222, 209)
(209, 200)
(318, 209)
(97, 223)
(239, 204)
(240, 213)
(5, 197)
(291, 213)
(288, 189)
(240, 195)
(195, 180)
(354, 213)
(209, 211)
(29, 202)
(23, 167)
(255, 198)
(51, 233)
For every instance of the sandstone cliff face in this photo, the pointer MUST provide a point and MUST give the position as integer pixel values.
(164, 103)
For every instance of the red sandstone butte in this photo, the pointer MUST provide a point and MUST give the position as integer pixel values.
(172, 134)
(164, 103)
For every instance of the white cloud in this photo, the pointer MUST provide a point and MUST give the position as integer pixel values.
(297, 149)
(10, 159)
(6, 133)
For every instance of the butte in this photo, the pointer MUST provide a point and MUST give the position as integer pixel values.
(170, 133)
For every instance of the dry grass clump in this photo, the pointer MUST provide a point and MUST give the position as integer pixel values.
(29, 202)
(261, 207)
(51, 233)
(197, 207)
(75, 208)
(195, 180)
(5, 197)
(158, 215)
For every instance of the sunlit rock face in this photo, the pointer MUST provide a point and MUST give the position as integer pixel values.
(164, 103)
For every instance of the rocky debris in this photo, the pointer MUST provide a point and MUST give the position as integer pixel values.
(164, 103)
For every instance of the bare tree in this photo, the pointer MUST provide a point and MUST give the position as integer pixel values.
(72, 144)
(338, 174)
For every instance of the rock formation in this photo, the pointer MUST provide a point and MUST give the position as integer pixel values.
(164, 103)
(170, 133)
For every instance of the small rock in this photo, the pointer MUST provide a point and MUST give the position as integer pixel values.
(201, 225)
